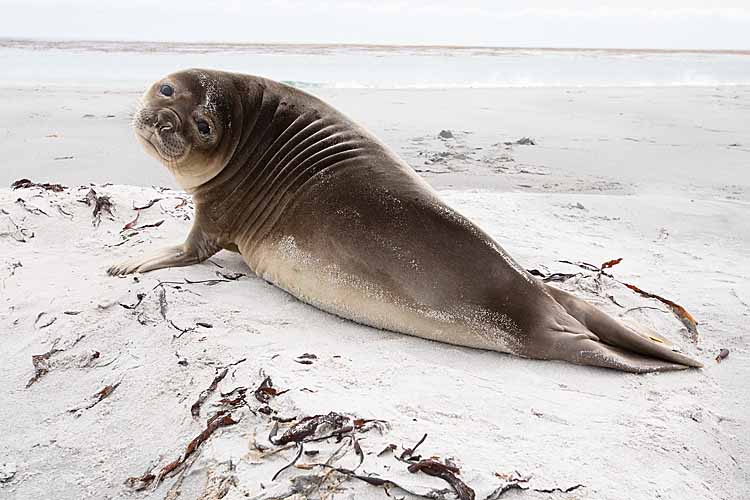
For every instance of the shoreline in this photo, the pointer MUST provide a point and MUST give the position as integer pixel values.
(203, 46)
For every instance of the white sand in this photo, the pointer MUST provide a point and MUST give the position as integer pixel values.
(675, 435)
(672, 203)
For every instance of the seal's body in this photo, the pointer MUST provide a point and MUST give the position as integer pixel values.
(321, 208)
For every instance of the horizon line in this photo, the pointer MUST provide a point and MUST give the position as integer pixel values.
(219, 44)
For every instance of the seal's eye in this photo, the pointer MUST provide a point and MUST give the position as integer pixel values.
(166, 90)
(203, 127)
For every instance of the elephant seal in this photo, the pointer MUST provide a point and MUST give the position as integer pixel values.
(319, 207)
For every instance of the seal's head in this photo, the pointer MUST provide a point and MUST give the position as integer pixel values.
(187, 121)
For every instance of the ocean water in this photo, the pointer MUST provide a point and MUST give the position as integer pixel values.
(132, 65)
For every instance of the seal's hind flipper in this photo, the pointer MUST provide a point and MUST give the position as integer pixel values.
(583, 351)
(614, 333)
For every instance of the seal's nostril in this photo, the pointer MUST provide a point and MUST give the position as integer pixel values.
(166, 120)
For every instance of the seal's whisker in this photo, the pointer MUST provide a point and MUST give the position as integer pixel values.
(134, 110)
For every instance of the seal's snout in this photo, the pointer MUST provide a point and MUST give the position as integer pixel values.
(160, 131)
(160, 120)
(166, 120)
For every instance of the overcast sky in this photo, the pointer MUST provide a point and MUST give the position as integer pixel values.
(526, 23)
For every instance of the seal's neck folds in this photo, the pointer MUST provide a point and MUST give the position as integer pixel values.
(287, 138)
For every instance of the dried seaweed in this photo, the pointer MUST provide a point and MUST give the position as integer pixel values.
(300, 448)
(139, 297)
(388, 449)
(558, 490)
(306, 358)
(447, 473)
(18, 233)
(266, 410)
(12, 266)
(517, 481)
(145, 226)
(321, 427)
(205, 282)
(132, 223)
(147, 205)
(221, 419)
(444, 494)
(611, 263)
(186, 281)
(195, 409)
(33, 210)
(510, 482)
(41, 365)
(26, 183)
(239, 396)
(230, 275)
(63, 211)
(266, 391)
(101, 205)
(553, 276)
(48, 322)
(180, 360)
(98, 397)
(336, 455)
(308, 427)
(408, 453)
(584, 265)
(176, 284)
(685, 317)
(163, 303)
(314, 428)
(614, 301)
(182, 331)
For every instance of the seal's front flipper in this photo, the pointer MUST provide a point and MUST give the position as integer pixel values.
(165, 257)
(196, 248)
(614, 333)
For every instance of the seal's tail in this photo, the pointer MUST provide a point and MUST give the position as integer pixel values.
(619, 346)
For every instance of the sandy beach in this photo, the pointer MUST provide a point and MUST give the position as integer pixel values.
(655, 176)
(691, 141)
